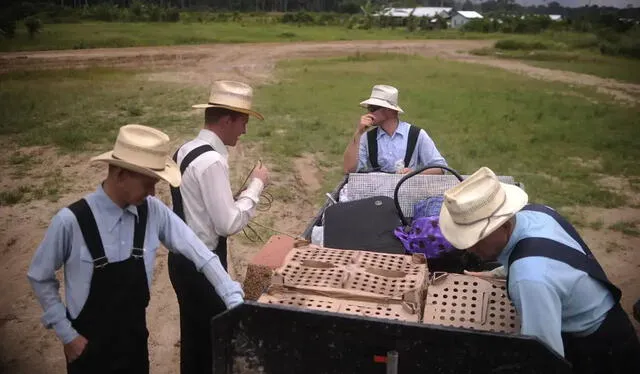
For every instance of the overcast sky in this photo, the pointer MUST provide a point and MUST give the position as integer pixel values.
(579, 3)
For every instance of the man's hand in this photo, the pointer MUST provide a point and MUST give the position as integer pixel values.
(367, 121)
(405, 171)
(261, 172)
(74, 349)
(497, 273)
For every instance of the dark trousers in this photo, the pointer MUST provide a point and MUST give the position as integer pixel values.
(613, 349)
(198, 303)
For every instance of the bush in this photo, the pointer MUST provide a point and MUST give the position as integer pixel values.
(33, 25)
(301, 18)
(349, 8)
(172, 15)
(7, 25)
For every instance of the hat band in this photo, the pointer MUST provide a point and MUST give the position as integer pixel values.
(143, 166)
(488, 218)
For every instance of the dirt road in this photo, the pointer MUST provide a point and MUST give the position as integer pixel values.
(28, 348)
(254, 61)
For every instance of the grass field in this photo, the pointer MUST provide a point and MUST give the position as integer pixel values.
(115, 34)
(577, 52)
(579, 61)
(553, 138)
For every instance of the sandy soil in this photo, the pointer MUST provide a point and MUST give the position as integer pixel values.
(28, 348)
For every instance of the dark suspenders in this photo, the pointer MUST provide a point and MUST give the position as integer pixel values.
(557, 251)
(176, 196)
(372, 141)
(91, 234)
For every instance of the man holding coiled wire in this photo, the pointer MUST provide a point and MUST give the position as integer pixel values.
(206, 203)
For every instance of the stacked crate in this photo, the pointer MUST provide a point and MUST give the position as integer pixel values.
(348, 282)
(378, 285)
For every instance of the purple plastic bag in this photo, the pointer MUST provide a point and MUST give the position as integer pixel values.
(424, 236)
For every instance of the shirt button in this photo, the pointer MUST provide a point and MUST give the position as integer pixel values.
(122, 242)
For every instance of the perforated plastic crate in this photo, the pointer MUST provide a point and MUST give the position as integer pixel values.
(464, 301)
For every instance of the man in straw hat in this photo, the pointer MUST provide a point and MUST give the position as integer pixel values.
(107, 242)
(391, 145)
(206, 203)
(560, 291)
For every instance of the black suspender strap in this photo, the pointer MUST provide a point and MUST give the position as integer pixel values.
(140, 230)
(372, 142)
(548, 248)
(90, 232)
(176, 196)
(414, 132)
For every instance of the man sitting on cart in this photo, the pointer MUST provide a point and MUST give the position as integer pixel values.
(392, 146)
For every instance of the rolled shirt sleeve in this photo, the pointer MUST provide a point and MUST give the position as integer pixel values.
(178, 237)
(428, 153)
(228, 216)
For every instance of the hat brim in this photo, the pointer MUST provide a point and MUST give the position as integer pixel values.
(235, 109)
(382, 103)
(466, 236)
(171, 172)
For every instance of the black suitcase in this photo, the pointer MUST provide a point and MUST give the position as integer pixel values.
(366, 224)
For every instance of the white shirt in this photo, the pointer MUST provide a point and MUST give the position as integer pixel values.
(209, 207)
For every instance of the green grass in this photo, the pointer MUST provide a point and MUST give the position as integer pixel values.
(626, 227)
(115, 34)
(481, 116)
(477, 116)
(579, 61)
(81, 109)
(50, 189)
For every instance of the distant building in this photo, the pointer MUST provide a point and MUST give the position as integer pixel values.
(461, 17)
(430, 12)
(555, 17)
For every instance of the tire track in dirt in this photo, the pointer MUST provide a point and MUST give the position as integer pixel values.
(255, 61)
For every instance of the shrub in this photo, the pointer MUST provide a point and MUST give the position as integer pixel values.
(33, 25)
(172, 15)
(349, 8)
(7, 25)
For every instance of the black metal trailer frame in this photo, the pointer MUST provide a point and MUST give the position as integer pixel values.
(265, 338)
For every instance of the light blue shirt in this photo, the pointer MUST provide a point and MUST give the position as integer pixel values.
(391, 149)
(63, 244)
(550, 296)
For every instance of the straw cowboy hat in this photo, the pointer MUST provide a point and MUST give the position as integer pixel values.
(476, 207)
(232, 95)
(144, 150)
(384, 96)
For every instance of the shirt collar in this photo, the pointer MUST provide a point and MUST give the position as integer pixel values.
(402, 130)
(110, 213)
(516, 236)
(210, 137)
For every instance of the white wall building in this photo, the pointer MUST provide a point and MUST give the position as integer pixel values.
(461, 17)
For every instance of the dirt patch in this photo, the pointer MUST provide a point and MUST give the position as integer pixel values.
(587, 164)
(621, 186)
(618, 253)
(307, 173)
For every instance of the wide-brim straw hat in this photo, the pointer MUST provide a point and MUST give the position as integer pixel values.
(144, 150)
(384, 96)
(476, 207)
(232, 95)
